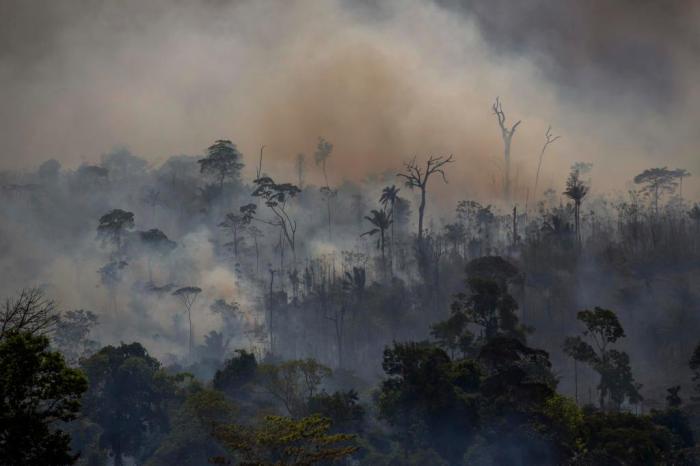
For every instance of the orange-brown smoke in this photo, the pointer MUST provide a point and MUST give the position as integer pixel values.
(383, 85)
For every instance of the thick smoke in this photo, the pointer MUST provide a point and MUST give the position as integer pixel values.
(383, 80)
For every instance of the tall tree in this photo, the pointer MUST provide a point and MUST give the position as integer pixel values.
(156, 243)
(37, 393)
(418, 177)
(188, 295)
(127, 397)
(548, 139)
(576, 190)
(388, 200)
(223, 161)
(323, 152)
(71, 335)
(381, 222)
(237, 223)
(657, 182)
(680, 174)
(602, 329)
(113, 226)
(507, 135)
(276, 197)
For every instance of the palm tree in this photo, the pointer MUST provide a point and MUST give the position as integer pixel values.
(576, 190)
(381, 222)
(389, 196)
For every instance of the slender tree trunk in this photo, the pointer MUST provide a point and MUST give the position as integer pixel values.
(328, 205)
(391, 249)
(506, 155)
(381, 243)
(235, 243)
(576, 381)
(339, 336)
(421, 211)
(257, 256)
(515, 226)
(189, 317)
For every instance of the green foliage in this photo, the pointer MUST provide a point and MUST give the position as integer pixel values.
(236, 373)
(342, 408)
(194, 422)
(624, 438)
(127, 397)
(282, 441)
(565, 423)
(453, 334)
(602, 325)
(427, 398)
(491, 307)
(37, 391)
(293, 383)
(616, 380)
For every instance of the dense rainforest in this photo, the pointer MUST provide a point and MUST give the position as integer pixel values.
(221, 319)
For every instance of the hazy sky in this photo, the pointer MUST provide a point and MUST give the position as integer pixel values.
(383, 80)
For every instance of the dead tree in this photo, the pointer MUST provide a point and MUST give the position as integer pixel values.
(507, 135)
(548, 139)
(417, 177)
(30, 312)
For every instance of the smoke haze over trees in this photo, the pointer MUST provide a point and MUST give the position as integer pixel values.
(490, 253)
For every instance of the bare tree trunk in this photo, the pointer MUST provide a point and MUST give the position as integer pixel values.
(515, 226)
(421, 211)
(576, 381)
(189, 317)
(506, 169)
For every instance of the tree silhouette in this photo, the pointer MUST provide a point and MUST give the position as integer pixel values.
(188, 295)
(507, 135)
(127, 397)
(656, 182)
(156, 242)
(223, 161)
(602, 328)
(31, 312)
(418, 177)
(112, 227)
(276, 197)
(151, 197)
(381, 222)
(237, 223)
(548, 139)
(388, 198)
(323, 152)
(680, 174)
(39, 394)
(576, 190)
